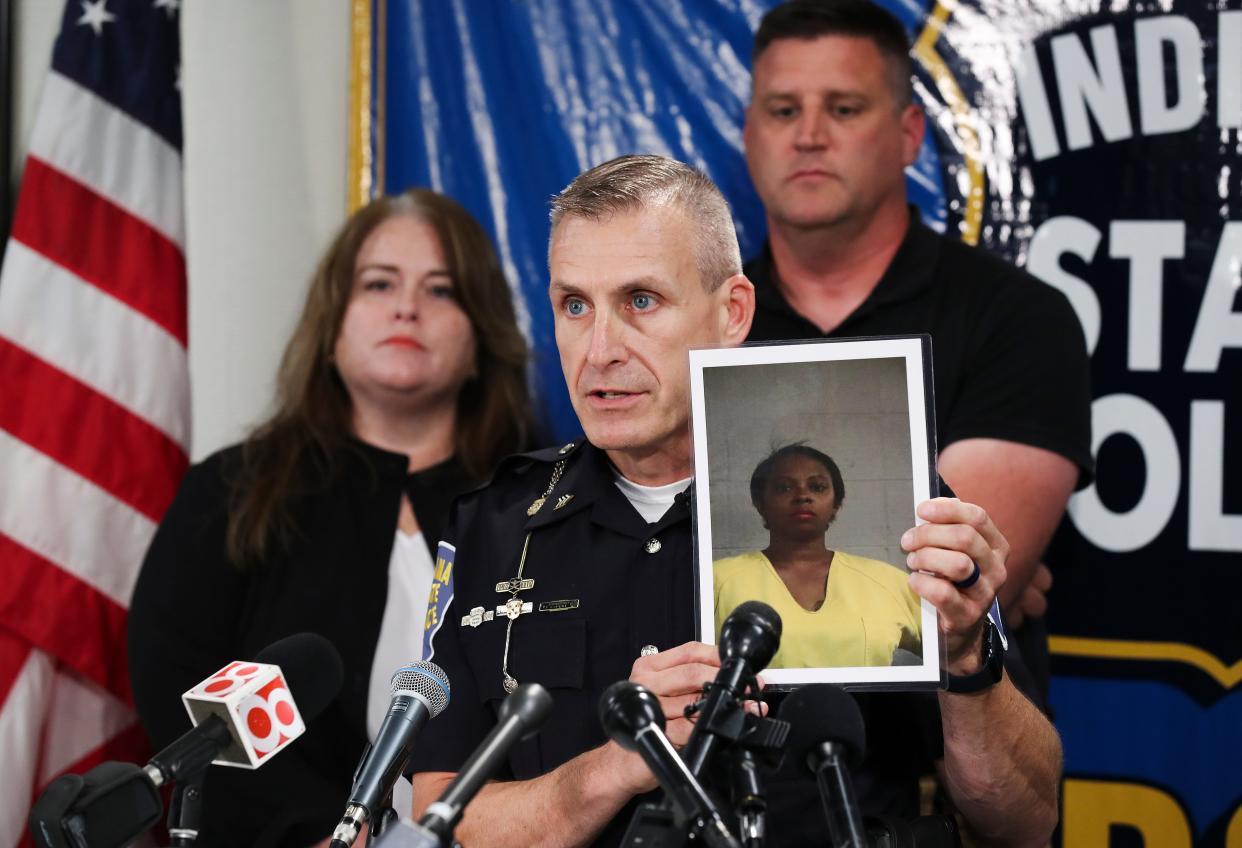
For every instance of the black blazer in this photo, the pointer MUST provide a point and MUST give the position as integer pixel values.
(193, 612)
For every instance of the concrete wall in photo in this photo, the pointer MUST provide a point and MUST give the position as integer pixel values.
(855, 411)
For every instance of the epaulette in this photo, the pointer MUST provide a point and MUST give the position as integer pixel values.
(555, 454)
(543, 456)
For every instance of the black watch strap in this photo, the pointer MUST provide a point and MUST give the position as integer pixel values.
(991, 672)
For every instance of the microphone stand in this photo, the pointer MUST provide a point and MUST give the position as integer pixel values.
(720, 717)
(748, 797)
(844, 823)
(186, 808)
(756, 751)
(383, 817)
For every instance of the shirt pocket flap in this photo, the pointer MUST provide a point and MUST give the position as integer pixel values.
(550, 652)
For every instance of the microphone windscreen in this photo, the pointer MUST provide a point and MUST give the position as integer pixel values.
(625, 708)
(759, 613)
(752, 632)
(311, 667)
(822, 712)
(531, 703)
(426, 681)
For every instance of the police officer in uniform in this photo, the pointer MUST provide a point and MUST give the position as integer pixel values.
(573, 569)
(567, 596)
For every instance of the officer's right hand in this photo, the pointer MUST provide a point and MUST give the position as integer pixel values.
(677, 677)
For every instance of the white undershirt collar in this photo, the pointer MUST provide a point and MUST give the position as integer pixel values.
(651, 501)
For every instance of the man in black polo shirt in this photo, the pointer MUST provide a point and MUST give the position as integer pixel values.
(829, 132)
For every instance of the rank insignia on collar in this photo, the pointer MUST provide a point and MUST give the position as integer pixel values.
(536, 505)
(564, 499)
(477, 616)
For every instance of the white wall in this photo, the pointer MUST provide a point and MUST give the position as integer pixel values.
(34, 28)
(265, 92)
(265, 88)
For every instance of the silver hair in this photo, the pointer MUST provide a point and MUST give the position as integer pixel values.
(634, 182)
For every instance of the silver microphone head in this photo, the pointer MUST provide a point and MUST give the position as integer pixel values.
(425, 681)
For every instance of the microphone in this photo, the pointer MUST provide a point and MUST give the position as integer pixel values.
(521, 715)
(245, 713)
(420, 691)
(111, 805)
(749, 638)
(633, 718)
(828, 735)
(115, 803)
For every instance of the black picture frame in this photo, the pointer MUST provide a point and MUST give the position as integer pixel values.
(869, 403)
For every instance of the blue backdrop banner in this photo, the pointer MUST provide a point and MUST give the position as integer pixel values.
(1097, 144)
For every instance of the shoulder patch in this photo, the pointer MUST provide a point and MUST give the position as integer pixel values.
(439, 597)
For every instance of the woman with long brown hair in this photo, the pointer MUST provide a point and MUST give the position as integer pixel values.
(402, 386)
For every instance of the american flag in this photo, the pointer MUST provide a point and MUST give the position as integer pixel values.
(94, 394)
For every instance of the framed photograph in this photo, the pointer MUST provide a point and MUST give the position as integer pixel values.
(809, 460)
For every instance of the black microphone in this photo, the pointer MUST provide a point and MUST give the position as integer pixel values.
(111, 805)
(420, 691)
(829, 736)
(749, 638)
(633, 718)
(312, 670)
(521, 715)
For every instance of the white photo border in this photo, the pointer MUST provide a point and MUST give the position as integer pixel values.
(916, 353)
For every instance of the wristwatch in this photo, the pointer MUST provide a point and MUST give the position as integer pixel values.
(991, 672)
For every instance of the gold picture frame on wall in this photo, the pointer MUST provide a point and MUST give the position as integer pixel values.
(365, 145)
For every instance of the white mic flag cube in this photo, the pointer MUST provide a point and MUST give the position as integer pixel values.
(254, 701)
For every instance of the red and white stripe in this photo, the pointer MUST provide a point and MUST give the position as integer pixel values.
(94, 429)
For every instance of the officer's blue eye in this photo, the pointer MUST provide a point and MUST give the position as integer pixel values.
(642, 301)
(575, 307)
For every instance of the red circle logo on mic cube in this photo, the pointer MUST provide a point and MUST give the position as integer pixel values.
(271, 718)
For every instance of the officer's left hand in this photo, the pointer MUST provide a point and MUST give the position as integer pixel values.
(944, 552)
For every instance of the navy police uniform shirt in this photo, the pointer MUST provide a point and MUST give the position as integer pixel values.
(606, 583)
